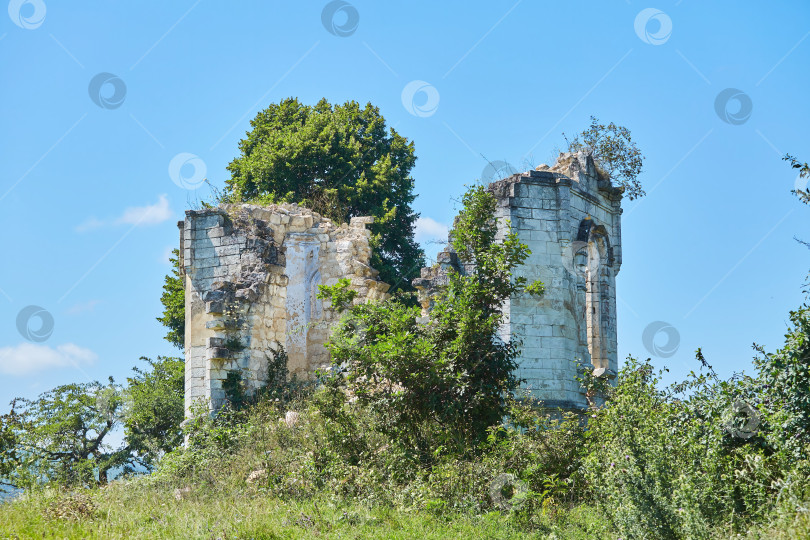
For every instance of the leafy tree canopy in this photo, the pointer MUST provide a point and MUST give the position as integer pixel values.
(174, 304)
(60, 436)
(155, 408)
(63, 436)
(341, 161)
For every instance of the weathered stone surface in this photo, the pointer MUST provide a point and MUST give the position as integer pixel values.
(570, 218)
(251, 276)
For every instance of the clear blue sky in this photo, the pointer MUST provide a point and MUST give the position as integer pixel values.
(88, 209)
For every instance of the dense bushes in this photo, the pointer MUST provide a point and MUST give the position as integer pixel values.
(439, 385)
(424, 417)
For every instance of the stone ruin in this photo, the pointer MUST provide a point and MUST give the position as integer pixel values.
(569, 217)
(251, 275)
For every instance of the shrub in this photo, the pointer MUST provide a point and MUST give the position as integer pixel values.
(444, 383)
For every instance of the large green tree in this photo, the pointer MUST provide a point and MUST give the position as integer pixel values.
(341, 161)
(65, 435)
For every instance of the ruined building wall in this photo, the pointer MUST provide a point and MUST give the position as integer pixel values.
(570, 219)
(251, 279)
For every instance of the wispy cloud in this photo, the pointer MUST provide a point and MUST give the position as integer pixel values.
(430, 229)
(89, 224)
(151, 214)
(29, 358)
(83, 307)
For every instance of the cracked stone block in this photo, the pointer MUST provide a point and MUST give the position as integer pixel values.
(216, 324)
(217, 353)
(216, 306)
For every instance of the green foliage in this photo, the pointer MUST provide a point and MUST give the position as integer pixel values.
(804, 172)
(60, 436)
(340, 161)
(278, 385)
(174, 304)
(156, 410)
(675, 464)
(235, 391)
(8, 447)
(341, 295)
(142, 509)
(63, 436)
(327, 446)
(614, 150)
(446, 382)
(785, 390)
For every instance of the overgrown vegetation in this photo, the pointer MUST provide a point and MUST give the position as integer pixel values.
(615, 153)
(64, 436)
(419, 430)
(341, 161)
(174, 304)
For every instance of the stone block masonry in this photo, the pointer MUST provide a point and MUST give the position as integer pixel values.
(251, 279)
(252, 274)
(569, 216)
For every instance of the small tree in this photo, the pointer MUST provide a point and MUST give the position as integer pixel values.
(446, 382)
(614, 151)
(62, 436)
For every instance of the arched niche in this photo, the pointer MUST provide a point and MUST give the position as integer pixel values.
(597, 268)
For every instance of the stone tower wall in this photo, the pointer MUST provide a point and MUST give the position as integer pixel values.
(569, 217)
(251, 279)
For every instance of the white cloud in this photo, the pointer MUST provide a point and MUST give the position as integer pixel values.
(28, 358)
(430, 229)
(89, 224)
(151, 214)
(147, 215)
(81, 307)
